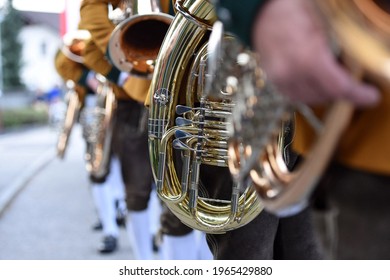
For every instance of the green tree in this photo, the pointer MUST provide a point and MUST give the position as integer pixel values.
(11, 48)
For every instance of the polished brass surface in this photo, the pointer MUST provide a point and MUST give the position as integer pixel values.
(71, 115)
(73, 43)
(361, 31)
(184, 120)
(135, 42)
(98, 125)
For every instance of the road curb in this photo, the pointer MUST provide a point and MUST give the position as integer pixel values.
(13, 189)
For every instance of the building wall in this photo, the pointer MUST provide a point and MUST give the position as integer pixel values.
(39, 46)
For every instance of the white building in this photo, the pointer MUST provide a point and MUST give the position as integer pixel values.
(41, 38)
(39, 46)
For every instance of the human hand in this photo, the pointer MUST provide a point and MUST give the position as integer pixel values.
(296, 55)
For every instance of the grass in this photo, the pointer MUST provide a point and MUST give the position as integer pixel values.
(18, 117)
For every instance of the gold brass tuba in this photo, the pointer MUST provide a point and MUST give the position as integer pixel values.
(98, 125)
(73, 44)
(361, 30)
(136, 41)
(188, 130)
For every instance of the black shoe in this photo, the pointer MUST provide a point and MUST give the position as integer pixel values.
(121, 221)
(108, 245)
(120, 215)
(97, 226)
(156, 242)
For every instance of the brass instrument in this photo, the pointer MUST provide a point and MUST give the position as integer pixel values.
(73, 44)
(71, 115)
(98, 125)
(188, 129)
(360, 29)
(133, 48)
(368, 23)
(135, 42)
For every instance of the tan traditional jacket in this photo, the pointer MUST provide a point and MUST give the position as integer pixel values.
(365, 144)
(71, 70)
(94, 18)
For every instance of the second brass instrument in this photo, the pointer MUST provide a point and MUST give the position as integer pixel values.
(71, 115)
(98, 125)
(72, 47)
(359, 30)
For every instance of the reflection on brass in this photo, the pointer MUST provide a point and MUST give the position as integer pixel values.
(188, 129)
(98, 125)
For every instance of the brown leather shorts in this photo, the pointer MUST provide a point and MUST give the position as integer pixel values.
(130, 145)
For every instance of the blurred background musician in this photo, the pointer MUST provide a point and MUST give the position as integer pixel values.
(132, 119)
(108, 196)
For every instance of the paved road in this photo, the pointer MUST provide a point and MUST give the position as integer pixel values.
(46, 208)
(23, 154)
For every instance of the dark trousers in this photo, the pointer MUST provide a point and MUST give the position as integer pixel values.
(268, 237)
(353, 214)
(264, 238)
(130, 145)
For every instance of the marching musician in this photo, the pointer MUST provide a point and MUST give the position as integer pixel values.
(130, 140)
(108, 195)
(72, 70)
(264, 237)
(298, 58)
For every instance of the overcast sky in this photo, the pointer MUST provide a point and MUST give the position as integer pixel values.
(51, 6)
(48, 6)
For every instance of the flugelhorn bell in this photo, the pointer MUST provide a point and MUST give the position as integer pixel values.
(136, 41)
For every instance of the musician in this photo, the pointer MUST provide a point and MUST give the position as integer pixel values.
(297, 57)
(108, 194)
(130, 142)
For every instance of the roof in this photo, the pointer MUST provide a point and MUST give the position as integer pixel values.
(50, 19)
